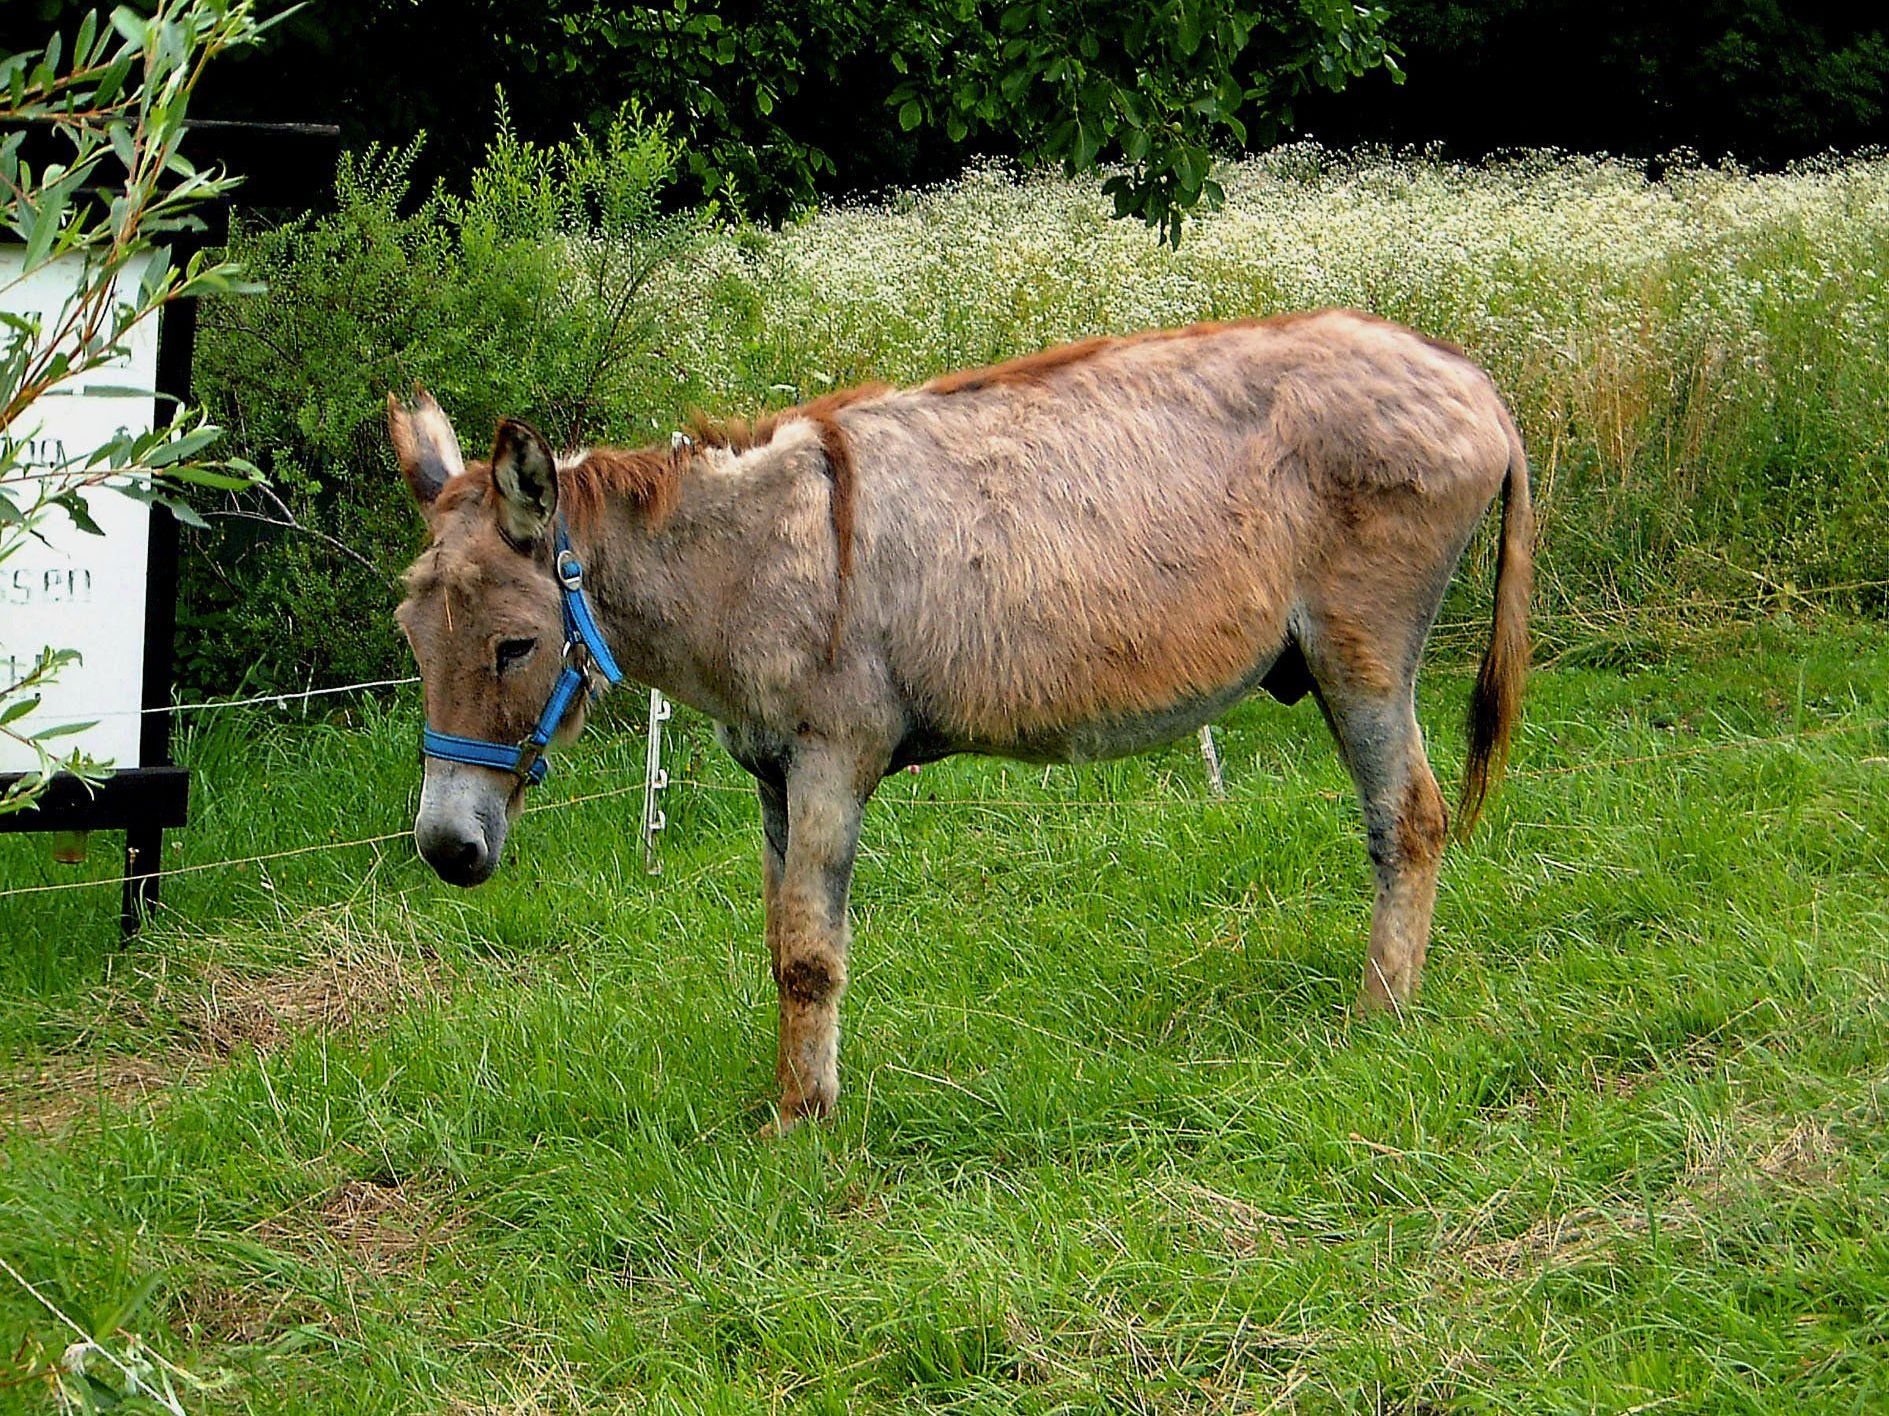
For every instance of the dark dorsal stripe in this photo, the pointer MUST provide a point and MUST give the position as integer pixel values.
(837, 451)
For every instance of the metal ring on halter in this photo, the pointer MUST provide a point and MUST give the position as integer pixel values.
(570, 570)
(530, 758)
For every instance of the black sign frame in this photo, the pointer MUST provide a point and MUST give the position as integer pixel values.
(145, 800)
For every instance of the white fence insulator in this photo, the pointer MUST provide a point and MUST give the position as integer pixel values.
(655, 779)
(1210, 754)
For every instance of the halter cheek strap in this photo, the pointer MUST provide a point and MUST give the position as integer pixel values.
(584, 647)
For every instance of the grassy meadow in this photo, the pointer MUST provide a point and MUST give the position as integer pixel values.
(333, 1136)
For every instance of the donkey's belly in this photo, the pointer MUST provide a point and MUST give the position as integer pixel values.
(1281, 672)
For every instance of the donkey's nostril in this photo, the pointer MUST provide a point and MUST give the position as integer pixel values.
(459, 860)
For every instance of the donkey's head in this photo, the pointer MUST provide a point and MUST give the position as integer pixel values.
(484, 616)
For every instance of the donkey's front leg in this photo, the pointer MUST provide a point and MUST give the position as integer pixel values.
(807, 930)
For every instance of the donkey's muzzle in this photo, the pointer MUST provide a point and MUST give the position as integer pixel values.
(456, 859)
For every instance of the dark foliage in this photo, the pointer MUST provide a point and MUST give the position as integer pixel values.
(1761, 81)
(774, 102)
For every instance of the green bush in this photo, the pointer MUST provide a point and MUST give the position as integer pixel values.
(528, 297)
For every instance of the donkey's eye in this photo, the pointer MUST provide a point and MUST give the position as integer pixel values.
(512, 652)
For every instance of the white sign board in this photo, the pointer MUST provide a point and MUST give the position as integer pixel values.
(75, 590)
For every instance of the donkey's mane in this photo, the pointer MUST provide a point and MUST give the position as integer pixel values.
(649, 478)
(746, 434)
(1032, 367)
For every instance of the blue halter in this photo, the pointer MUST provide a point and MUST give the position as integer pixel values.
(582, 640)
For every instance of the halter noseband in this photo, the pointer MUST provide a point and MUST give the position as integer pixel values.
(584, 648)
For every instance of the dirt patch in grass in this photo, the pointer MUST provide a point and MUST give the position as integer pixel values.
(328, 994)
(52, 1096)
(1240, 1228)
(198, 1021)
(381, 1225)
(242, 1316)
(1745, 1161)
(544, 1383)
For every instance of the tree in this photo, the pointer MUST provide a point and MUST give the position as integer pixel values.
(92, 173)
(777, 101)
(1160, 88)
(1761, 81)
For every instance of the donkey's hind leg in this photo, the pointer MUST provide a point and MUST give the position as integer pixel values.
(1405, 822)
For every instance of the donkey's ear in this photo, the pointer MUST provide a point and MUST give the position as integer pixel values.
(425, 444)
(527, 479)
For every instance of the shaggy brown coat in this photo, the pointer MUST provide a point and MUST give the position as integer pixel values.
(1074, 555)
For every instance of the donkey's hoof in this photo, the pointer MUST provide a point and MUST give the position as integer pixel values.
(790, 1114)
(1378, 1003)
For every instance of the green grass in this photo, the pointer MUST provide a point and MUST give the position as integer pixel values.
(1107, 1143)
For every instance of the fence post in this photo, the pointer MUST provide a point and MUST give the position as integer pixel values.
(655, 779)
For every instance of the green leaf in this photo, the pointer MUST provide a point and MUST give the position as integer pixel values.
(60, 730)
(130, 24)
(1088, 141)
(186, 514)
(911, 114)
(179, 448)
(207, 477)
(74, 506)
(121, 143)
(1187, 29)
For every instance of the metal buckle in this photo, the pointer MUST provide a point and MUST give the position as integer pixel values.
(577, 656)
(570, 571)
(529, 754)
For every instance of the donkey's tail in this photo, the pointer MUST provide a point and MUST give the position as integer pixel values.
(1496, 701)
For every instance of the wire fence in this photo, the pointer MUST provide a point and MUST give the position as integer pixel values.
(272, 700)
(1612, 616)
(1595, 617)
(1050, 804)
(1599, 617)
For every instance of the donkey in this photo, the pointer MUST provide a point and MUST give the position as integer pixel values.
(1070, 556)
